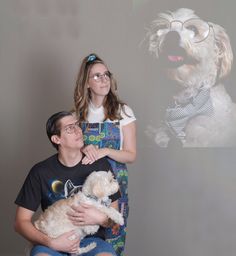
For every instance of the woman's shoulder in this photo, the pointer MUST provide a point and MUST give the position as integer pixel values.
(127, 109)
(127, 115)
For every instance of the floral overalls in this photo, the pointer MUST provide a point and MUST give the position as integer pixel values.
(107, 135)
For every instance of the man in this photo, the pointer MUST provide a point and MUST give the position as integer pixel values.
(58, 177)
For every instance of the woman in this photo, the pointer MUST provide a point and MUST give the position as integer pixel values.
(109, 130)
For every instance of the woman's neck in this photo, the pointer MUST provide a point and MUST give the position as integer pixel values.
(97, 102)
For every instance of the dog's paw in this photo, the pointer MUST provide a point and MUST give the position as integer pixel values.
(162, 138)
(150, 131)
(159, 135)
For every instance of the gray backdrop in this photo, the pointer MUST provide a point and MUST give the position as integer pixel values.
(183, 201)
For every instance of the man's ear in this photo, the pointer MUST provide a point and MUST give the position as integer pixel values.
(55, 139)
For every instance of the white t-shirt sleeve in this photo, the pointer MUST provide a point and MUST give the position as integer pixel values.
(127, 115)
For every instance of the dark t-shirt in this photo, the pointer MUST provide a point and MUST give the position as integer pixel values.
(49, 181)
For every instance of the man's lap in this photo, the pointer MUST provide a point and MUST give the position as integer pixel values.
(102, 246)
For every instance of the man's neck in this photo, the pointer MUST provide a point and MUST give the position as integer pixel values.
(70, 159)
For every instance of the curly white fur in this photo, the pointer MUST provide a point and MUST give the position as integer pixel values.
(202, 65)
(54, 221)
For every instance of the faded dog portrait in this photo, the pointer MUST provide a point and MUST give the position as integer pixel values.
(192, 58)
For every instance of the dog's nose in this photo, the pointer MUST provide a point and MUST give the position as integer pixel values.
(172, 39)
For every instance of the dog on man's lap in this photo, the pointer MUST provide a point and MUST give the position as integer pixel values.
(95, 191)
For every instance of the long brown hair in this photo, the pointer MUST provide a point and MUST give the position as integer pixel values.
(112, 104)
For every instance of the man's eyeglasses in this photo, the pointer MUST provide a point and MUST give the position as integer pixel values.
(71, 128)
(98, 77)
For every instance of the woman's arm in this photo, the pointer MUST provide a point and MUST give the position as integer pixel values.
(24, 226)
(128, 152)
(126, 155)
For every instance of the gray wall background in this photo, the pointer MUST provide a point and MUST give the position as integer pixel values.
(183, 201)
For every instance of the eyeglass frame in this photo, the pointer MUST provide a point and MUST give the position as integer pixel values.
(73, 126)
(106, 75)
(182, 25)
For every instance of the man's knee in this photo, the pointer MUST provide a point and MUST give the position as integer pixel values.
(104, 254)
(42, 254)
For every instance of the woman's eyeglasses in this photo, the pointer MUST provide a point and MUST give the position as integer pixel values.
(98, 77)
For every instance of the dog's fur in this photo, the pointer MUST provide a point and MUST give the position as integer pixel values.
(54, 220)
(194, 66)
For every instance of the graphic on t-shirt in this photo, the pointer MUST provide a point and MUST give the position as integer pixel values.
(70, 189)
(57, 186)
(59, 190)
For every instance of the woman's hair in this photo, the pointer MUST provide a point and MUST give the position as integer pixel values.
(82, 96)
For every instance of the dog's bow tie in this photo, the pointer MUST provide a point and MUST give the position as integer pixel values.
(177, 117)
(106, 201)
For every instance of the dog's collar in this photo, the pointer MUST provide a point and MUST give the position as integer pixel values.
(106, 201)
(177, 117)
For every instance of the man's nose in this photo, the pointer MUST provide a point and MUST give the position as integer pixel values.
(78, 130)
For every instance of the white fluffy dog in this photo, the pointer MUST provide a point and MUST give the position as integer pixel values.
(96, 189)
(197, 55)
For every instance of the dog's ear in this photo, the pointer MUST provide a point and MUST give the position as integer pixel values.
(98, 191)
(224, 51)
(110, 174)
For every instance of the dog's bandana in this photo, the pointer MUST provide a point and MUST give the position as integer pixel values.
(106, 201)
(177, 118)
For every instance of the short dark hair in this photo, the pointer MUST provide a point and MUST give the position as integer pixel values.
(53, 126)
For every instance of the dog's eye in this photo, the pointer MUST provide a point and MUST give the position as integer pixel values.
(193, 28)
(163, 26)
(158, 27)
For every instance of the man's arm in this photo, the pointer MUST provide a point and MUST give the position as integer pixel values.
(24, 226)
(84, 214)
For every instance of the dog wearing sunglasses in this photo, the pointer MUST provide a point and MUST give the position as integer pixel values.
(196, 56)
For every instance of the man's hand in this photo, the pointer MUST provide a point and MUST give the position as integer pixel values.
(68, 242)
(84, 214)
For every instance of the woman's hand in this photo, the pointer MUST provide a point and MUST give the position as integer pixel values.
(92, 153)
(67, 242)
(84, 214)
(126, 155)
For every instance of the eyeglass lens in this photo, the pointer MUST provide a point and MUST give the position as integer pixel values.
(98, 77)
(197, 29)
(71, 128)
